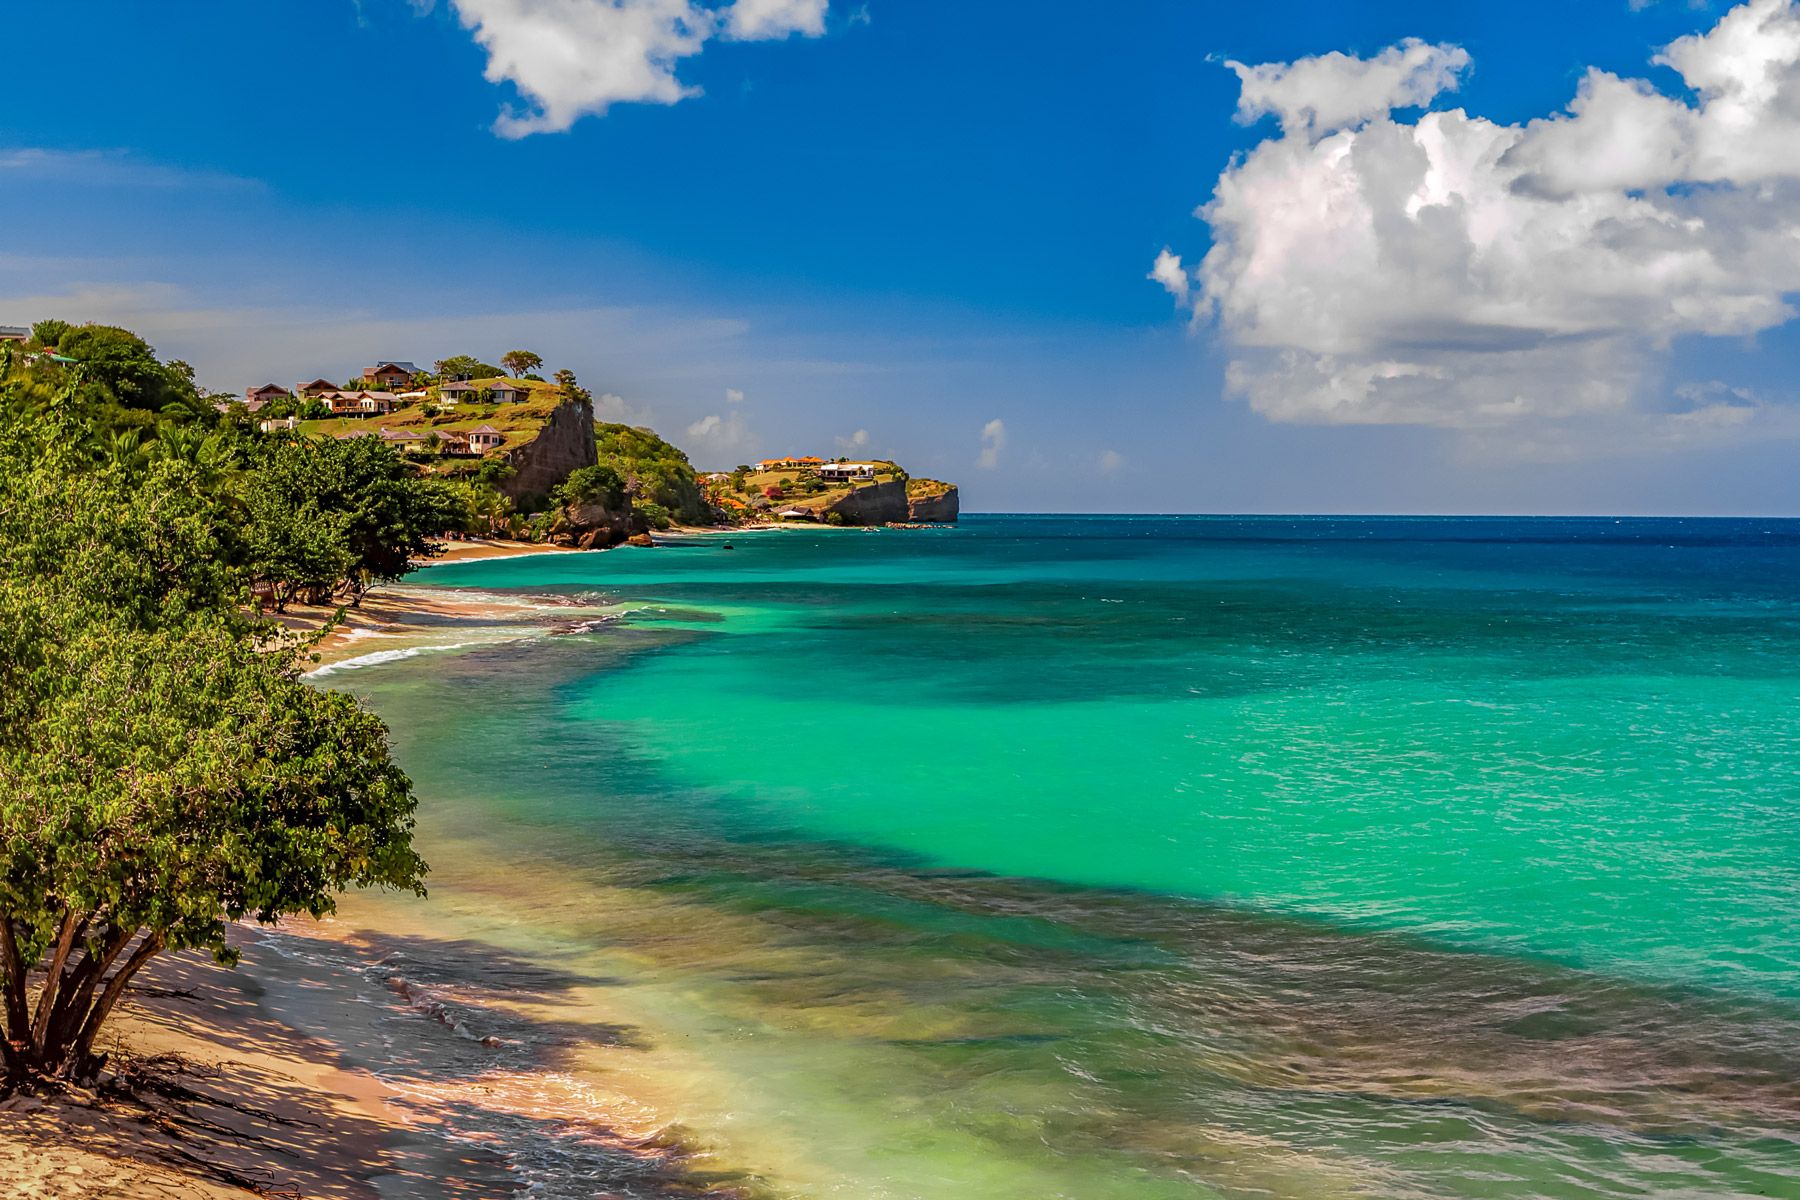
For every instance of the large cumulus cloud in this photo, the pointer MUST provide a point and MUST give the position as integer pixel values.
(1450, 270)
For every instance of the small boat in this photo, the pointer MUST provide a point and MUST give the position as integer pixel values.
(728, 546)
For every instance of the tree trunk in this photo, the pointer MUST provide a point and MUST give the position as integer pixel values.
(53, 975)
(18, 1020)
(72, 1007)
(81, 1053)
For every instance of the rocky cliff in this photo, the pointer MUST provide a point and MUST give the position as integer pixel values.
(935, 509)
(872, 504)
(565, 443)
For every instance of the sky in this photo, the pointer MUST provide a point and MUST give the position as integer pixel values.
(1158, 256)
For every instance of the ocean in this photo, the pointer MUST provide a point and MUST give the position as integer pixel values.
(1117, 858)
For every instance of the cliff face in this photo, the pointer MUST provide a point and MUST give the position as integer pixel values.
(565, 443)
(873, 504)
(935, 509)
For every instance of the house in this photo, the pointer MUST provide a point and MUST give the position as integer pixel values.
(407, 441)
(360, 404)
(454, 444)
(494, 391)
(315, 390)
(14, 333)
(848, 471)
(390, 375)
(273, 424)
(796, 514)
(790, 463)
(256, 397)
(484, 439)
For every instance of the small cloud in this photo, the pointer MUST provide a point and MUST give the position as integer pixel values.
(721, 435)
(993, 440)
(860, 16)
(734, 396)
(1169, 272)
(855, 441)
(1110, 461)
(613, 409)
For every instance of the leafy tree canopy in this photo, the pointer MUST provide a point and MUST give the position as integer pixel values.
(463, 366)
(161, 772)
(521, 361)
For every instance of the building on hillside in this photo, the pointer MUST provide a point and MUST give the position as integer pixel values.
(15, 333)
(454, 444)
(484, 439)
(390, 375)
(256, 397)
(315, 390)
(360, 404)
(790, 463)
(407, 441)
(848, 471)
(275, 424)
(796, 514)
(498, 391)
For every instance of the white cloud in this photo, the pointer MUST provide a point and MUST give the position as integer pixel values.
(856, 441)
(575, 58)
(1110, 461)
(1458, 272)
(758, 20)
(993, 440)
(612, 407)
(1169, 272)
(1330, 91)
(734, 396)
(720, 436)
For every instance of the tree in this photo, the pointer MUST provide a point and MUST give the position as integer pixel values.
(520, 361)
(123, 368)
(463, 366)
(600, 485)
(355, 492)
(136, 816)
(48, 333)
(571, 389)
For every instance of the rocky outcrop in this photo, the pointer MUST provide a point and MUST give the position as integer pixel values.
(565, 443)
(874, 504)
(934, 509)
(594, 527)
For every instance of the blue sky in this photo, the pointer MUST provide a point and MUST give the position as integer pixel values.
(893, 225)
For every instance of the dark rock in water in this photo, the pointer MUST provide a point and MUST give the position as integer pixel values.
(728, 546)
(641, 539)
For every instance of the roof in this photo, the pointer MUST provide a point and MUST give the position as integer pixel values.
(409, 368)
(14, 331)
(268, 387)
(327, 384)
(485, 429)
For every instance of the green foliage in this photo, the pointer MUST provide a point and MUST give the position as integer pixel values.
(123, 369)
(48, 332)
(599, 485)
(323, 510)
(161, 772)
(655, 472)
(521, 361)
(654, 515)
(463, 366)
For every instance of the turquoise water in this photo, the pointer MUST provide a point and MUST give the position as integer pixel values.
(1150, 857)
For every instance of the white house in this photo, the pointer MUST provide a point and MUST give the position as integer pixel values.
(484, 439)
(848, 471)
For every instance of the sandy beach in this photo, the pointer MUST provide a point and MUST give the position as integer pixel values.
(219, 1090)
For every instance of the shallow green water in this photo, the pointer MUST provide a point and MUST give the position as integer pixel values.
(1119, 857)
